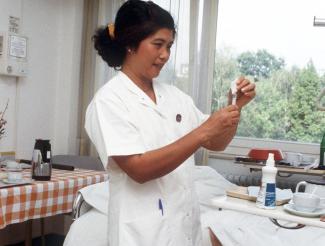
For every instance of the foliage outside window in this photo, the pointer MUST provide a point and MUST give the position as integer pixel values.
(284, 108)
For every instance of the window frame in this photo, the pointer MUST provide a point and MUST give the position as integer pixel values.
(240, 146)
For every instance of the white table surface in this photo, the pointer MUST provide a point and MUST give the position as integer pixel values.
(241, 205)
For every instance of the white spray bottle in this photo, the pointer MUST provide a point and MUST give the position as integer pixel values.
(266, 196)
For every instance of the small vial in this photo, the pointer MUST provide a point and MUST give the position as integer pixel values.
(233, 88)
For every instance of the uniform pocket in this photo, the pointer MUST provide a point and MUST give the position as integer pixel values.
(148, 230)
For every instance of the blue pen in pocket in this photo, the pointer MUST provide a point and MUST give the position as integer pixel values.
(160, 206)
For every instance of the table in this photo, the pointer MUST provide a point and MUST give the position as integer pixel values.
(45, 198)
(241, 205)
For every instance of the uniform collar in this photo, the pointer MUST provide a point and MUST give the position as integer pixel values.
(143, 97)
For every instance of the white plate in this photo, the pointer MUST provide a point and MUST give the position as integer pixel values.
(289, 208)
(13, 169)
(25, 166)
(22, 181)
(21, 166)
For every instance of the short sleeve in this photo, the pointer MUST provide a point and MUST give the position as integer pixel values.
(111, 129)
(197, 115)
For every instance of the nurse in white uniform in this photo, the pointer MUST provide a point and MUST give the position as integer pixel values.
(147, 132)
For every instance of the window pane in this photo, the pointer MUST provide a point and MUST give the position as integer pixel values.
(275, 44)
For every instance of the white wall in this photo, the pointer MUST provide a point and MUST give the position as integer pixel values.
(44, 104)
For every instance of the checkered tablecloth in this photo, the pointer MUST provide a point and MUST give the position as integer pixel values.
(45, 198)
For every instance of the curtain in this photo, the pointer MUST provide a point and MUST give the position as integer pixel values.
(203, 26)
(94, 72)
(87, 71)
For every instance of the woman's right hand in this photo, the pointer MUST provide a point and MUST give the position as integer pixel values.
(220, 122)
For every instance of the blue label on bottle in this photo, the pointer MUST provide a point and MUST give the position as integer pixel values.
(270, 195)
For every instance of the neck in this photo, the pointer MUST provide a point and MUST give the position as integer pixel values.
(143, 83)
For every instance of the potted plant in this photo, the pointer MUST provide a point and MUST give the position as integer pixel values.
(3, 122)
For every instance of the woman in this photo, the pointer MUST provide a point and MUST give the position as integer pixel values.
(148, 131)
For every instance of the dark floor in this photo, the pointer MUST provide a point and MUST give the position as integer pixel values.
(50, 240)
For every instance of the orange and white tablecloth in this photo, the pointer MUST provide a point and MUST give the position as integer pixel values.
(45, 198)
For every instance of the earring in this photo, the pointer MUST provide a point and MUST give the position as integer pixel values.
(129, 50)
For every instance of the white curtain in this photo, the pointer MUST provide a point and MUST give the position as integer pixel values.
(203, 26)
(202, 50)
(95, 72)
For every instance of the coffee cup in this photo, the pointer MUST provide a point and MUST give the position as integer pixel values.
(305, 202)
(14, 176)
(12, 165)
(293, 158)
(308, 159)
(316, 187)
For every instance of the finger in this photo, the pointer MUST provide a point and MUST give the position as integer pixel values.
(231, 108)
(241, 82)
(233, 121)
(245, 85)
(228, 123)
(240, 79)
(235, 114)
(250, 94)
(248, 87)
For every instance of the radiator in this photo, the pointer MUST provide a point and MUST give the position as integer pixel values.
(250, 180)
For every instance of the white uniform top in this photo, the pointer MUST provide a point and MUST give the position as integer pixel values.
(123, 120)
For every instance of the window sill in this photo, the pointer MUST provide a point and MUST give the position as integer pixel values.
(240, 146)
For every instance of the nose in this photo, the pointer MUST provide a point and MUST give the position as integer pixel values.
(164, 54)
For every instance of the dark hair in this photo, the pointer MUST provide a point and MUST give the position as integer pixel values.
(135, 21)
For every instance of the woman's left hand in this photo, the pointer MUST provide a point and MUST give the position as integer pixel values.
(245, 91)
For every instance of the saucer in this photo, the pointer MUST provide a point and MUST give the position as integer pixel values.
(25, 166)
(21, 181)
(13, 169)
(290, 209)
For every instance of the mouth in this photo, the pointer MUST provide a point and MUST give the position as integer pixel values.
(159, 66)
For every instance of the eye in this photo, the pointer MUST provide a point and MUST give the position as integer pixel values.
(158, 45)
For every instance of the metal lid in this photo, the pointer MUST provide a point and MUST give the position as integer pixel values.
(318, 182)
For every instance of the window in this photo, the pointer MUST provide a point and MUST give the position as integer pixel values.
(275, 44)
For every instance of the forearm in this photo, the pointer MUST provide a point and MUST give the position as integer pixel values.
(157, 163)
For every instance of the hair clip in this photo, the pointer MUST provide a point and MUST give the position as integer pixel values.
(111, 28)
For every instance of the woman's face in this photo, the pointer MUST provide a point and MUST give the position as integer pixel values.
(152, 54)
